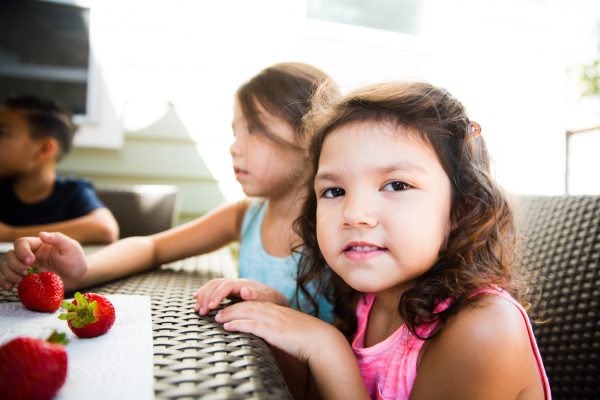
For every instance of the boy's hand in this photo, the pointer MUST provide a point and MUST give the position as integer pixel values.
(49, 252)
(209, 296)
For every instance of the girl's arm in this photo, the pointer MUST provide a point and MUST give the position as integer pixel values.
(321, 346)
(99, 226)
(483, 352)
(209, 232)
(58, 253)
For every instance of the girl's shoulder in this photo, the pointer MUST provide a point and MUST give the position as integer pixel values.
(488, 320)
(488, 342)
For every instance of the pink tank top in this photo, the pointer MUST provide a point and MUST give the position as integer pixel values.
(389, 368)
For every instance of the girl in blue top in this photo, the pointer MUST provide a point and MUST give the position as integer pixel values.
(269, 160)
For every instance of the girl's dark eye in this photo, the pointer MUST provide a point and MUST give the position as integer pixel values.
(332, 192)
(396, 186)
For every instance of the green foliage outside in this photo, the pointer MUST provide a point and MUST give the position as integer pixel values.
(590, 74)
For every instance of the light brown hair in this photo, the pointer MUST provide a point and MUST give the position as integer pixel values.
(284, 90)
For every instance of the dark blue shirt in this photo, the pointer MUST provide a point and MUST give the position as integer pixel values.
(71, 198)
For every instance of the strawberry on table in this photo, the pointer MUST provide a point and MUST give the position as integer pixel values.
(43, 291)
(89, 315)
(33, 368)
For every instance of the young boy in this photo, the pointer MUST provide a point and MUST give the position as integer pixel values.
(35, 134)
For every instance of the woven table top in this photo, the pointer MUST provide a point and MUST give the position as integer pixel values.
(194, 357)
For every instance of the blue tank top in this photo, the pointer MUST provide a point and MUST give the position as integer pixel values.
(277, 272)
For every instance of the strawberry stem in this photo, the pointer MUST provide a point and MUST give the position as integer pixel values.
(58, 338)
(80, 314)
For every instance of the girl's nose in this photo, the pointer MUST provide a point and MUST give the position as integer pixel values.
(236, 147)
(359, 212)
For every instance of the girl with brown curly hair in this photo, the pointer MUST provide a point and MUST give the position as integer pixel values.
(415, 241)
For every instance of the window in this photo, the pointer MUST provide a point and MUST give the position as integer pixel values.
(47, 49)
(391, 15)
(44, 50)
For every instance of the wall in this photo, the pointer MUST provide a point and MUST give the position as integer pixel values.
(505, 60)
(161, 153)
(170, 70)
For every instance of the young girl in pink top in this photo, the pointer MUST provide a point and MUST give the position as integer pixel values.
(403, 210)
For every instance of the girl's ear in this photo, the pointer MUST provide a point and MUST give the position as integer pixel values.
(48, 150)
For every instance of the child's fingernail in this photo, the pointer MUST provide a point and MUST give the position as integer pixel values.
(218, 316)
(28, 260)
(212, 304)
(7, 286)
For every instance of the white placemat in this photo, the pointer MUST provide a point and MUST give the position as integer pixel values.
(116, 365)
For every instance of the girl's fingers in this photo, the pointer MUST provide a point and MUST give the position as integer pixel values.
(224, 290)
(25, 247)
(15, 266)
(250, 317)
(210, 296)
(253, 294)
(63, 243)
(10, 272)
(204, 294)
(254, 310)
(249, 294)
(246, 325)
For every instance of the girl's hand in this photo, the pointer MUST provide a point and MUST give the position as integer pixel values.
(209, 296)
(49, 252)
(329, 356)
(292, 331)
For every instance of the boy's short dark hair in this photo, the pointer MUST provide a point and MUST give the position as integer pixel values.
(46, 118)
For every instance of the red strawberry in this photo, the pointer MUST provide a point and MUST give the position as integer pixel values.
(89, 315)
(41, 291)
(33, 368)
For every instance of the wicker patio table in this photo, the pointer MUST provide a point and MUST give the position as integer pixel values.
(194, 357)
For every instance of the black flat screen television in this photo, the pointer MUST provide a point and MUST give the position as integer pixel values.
(45, 50)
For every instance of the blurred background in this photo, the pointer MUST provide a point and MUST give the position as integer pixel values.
(152, 82)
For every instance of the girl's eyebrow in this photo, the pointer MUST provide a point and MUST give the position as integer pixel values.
(401, 166)
(325, 176)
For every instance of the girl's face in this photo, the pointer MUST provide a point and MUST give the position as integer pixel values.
(262, 167)
(383, 206)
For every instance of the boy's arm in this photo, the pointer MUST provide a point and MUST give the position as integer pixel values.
(99, 226)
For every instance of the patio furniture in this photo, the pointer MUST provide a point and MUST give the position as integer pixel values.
(141, 210)
(194, 357)
(560, 241)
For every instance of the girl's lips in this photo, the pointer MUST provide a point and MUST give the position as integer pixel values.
(362, 251)
(239, 172)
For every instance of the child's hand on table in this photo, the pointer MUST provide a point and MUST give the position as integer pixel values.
(53, 252)
(210, 295)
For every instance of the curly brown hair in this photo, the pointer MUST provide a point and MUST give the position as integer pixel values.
(480, 248)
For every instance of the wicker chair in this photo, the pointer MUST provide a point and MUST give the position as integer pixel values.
(560, 241)
(141, 209)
